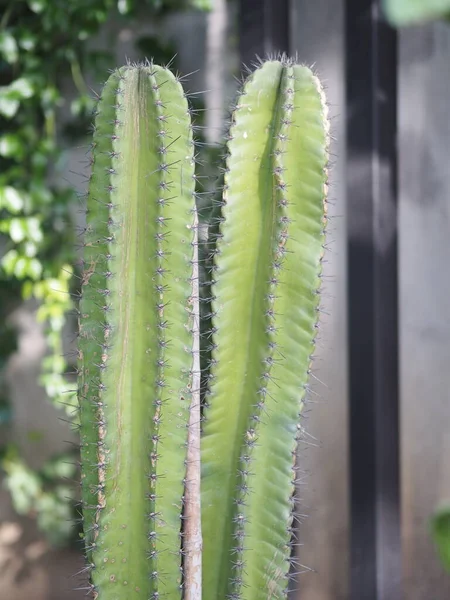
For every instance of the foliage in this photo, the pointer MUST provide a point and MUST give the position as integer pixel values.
(44, 494)
(139, 378)
(410, 12)
(440, 530)
(40, 42)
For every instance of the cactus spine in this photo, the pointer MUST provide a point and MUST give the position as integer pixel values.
(136, 342)
(267, 274)
(139, 344)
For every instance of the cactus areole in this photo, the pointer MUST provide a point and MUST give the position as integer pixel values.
(153, 529)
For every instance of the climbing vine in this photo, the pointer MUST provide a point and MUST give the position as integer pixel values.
(41, 43)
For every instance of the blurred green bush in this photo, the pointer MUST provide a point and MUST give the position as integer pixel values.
(440, 530)
(413, 12)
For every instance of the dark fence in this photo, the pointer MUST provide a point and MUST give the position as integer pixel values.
(371, 137)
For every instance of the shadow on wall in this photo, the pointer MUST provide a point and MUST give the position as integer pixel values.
(29, 568)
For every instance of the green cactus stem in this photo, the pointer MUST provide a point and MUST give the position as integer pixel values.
(136, 351)
(265, 302)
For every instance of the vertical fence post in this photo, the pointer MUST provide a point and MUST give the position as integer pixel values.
(371, 85)
(263, 28)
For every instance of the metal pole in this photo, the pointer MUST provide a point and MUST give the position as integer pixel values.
(371, 84)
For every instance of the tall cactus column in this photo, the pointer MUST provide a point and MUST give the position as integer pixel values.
(136, 345)
(266, 300)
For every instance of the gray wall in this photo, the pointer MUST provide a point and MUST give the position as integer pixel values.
(424, 143)
(424, 256)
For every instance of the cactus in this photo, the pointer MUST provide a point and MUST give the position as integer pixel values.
(139, 379)
(136, 334)
(265, 303)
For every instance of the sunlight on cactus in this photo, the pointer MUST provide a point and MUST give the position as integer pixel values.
(139, 378)
(265, 301)
(136, 341)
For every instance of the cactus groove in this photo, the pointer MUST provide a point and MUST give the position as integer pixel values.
(136, 343)
(265, 302)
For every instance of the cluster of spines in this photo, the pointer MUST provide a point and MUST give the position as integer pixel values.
(275, 577)
(96, 330)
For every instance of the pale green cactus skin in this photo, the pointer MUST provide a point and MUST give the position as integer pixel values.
(139, 378)
(265, 301)
(136, 335)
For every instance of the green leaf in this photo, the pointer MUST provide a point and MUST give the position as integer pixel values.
(34, 269)
(17, 231)
(124, 6)
(10, 96)
(440, 529)
(202, 4)
(410, 12)
(27, 41)
(49, 97)
(30, 249)
(8, 47)
(25, 229)
(11, 146)
(23, 87)
(58, 468)
(21, 267)
(9, 261)
(23, 484)
(27, 290)
(11, 199)
(82, 105)
(33, 229)
(8, 106)
(37, 6)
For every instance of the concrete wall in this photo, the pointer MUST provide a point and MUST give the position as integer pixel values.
(424, 143)
(424, 255)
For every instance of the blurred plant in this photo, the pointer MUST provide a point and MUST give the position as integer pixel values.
(411, 12)
(440, 530)
(44, 494)
(40, 42)
(9, 345)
